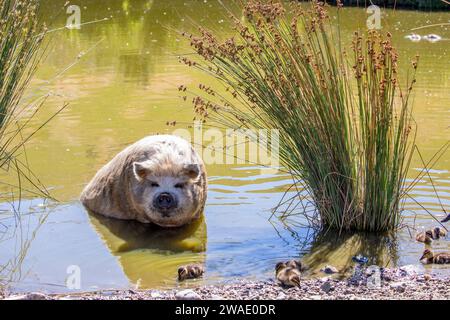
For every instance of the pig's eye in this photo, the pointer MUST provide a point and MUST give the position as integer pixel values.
(179, 185)
(154, 184)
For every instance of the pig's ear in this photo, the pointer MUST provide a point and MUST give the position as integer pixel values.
(191, 170)
(141, 169)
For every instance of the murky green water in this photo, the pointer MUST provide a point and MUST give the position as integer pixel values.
(123, 87)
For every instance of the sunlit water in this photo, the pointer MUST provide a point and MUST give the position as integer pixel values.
(123, 87)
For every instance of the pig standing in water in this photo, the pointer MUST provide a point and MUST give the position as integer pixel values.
(159, 179)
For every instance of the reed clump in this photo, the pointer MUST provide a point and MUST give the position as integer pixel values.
(345, 124)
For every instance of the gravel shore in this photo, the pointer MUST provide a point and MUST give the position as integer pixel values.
(398, 283)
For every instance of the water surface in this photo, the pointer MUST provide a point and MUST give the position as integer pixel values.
(122, 87)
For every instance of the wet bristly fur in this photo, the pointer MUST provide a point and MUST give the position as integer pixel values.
(123, 187)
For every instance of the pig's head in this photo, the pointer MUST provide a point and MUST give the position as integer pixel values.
(169, 193)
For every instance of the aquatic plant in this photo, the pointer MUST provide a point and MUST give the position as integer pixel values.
(21, 37)
(345, 123)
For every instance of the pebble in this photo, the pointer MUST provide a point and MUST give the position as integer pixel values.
(326, 287)
(155, 294)
(16, 297)
(68, 298)
(360, 259)
(371, 270)
(330, 269)
(110, 292)
(386, 277)
(187, 294)
(281, 296)
(28, 296)
(410, 270)
(398, 286)
(347, 291)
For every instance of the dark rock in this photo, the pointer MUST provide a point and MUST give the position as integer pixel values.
(329, 269)
(327, 287)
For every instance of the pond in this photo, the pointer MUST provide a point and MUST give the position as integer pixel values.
(120, 76)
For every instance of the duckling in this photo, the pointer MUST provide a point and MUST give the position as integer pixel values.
(288, 273)
(438, 258)
(425, 237)
(191, 271)
(439, 233)
(296, 264)
(430, 235)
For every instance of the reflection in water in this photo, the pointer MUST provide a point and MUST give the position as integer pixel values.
(150, 255)
(17, 232)
(134, 67)
(337, 249)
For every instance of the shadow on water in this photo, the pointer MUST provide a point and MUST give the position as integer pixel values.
(150, 255)
(338, 249)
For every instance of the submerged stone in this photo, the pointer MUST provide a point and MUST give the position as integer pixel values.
(187, 294)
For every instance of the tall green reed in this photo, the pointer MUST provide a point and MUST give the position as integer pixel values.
(344, 122)
(21, 39)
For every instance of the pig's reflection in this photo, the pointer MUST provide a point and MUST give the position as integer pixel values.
(150, 255)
